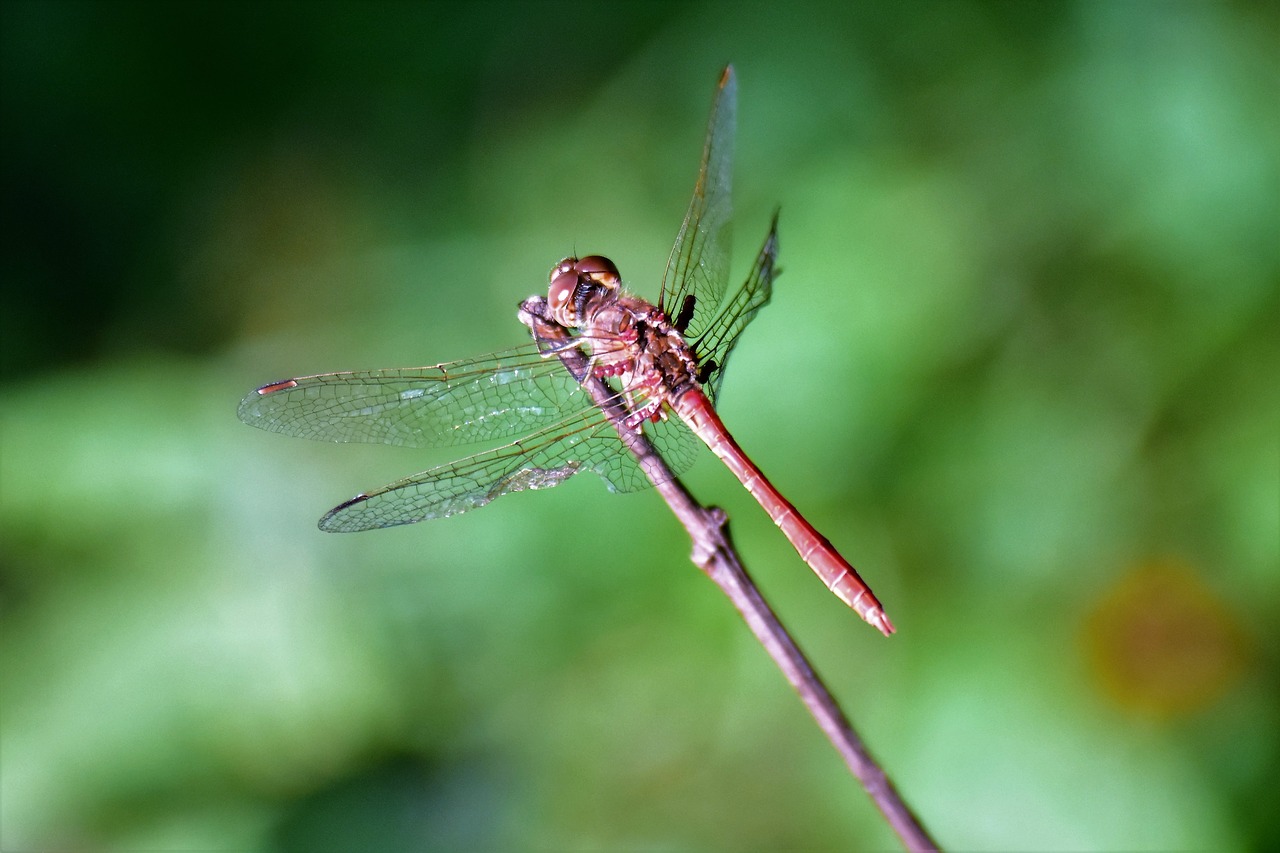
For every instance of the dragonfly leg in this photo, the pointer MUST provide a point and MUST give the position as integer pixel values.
(605, 370)
(644, 399)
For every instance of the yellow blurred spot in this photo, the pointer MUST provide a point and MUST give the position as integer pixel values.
(1161, 643)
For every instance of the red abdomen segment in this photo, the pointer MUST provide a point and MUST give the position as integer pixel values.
(840, 577)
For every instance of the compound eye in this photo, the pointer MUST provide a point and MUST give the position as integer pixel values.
(566, 265)
(560, 295)
(600, 270)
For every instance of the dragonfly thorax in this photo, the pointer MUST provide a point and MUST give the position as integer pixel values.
(576, 281)
(627, 338)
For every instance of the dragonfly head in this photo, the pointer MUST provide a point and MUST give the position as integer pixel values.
(574, 281)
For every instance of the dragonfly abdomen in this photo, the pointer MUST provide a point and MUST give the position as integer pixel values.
(836, 573)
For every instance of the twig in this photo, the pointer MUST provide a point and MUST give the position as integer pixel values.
(714, 555)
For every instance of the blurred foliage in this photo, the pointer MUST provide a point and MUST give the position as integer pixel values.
(1021, 368)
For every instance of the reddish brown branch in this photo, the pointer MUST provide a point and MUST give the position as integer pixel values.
(714, 554)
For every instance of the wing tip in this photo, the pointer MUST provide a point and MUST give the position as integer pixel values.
(248, 410)
(331, 523)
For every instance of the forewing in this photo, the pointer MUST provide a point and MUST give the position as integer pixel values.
(491, 397)
(698, 266)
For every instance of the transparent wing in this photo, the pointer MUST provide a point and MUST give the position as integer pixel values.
(585, 441)
(491, 397)
(509, 393)
(698, 267)
(714, 347)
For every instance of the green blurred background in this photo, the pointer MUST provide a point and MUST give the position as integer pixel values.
(1021, 368)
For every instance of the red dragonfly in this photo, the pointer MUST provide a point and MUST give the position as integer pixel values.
(659, 360)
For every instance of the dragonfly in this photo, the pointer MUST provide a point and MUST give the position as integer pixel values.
(662, 364)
